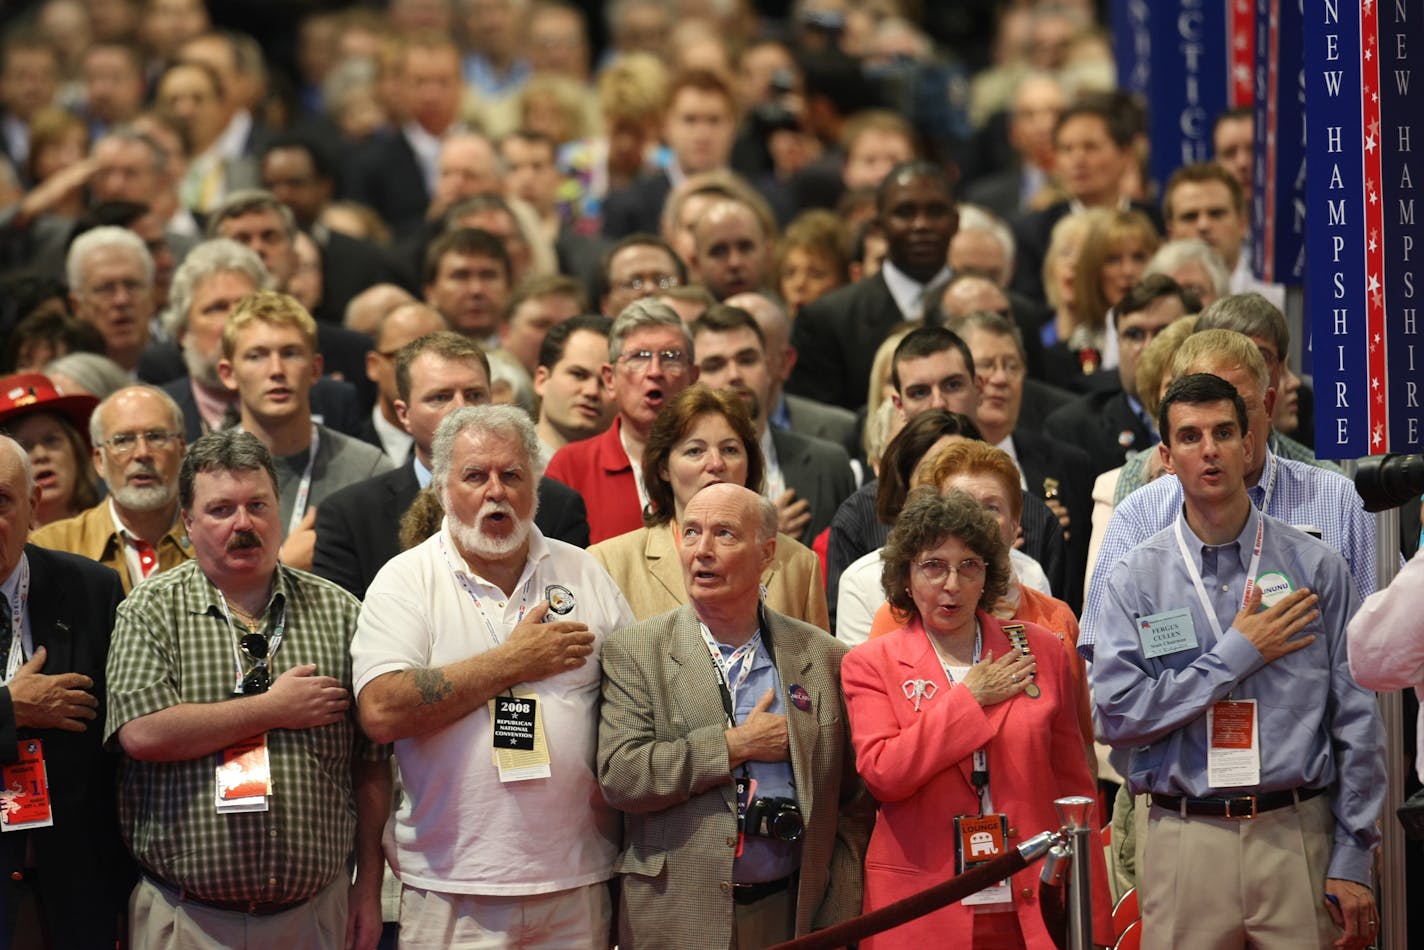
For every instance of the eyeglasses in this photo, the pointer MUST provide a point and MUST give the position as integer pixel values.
(124, 444)
(649, 282)
(254, 646)
(638, 362)
(110, 289)
(970, 570)
(1012, 367)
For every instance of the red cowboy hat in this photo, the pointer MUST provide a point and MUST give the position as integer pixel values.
(24, 393)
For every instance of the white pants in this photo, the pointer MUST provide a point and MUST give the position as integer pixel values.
(575, 919)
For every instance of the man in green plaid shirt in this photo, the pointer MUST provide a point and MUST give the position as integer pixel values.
(244, 792)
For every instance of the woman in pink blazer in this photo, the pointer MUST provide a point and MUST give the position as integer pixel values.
(946, 689)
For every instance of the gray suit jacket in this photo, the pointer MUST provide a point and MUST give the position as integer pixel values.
(819, 471)
(662, 760)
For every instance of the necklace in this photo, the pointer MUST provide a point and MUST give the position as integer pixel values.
(250, 621)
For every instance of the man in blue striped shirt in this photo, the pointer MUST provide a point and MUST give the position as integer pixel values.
(1295, 492)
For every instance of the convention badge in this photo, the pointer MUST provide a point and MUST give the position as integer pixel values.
(1274, 586)
(977, 840)
(1169, 632)
(24, 799)
(799, 697)
(244, 777)
(561, 601)
(520, 749)
(746, 792)
(915, 690)
(1233, 757)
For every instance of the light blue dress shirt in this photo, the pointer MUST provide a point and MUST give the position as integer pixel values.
(1317, 726)
(764, 859)
(1302, 495)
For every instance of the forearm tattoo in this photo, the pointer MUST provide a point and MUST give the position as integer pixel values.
(432, 684)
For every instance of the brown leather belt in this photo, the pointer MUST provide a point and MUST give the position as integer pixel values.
(252, 908)
(1239, 808)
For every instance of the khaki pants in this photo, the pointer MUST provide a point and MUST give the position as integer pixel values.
(1216, 883)
(769, 921)
(159, 921)
(575, 919)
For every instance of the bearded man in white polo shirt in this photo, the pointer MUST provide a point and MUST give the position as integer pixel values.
(477, 654)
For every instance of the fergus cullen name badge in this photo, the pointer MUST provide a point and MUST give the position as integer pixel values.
(1171, 631)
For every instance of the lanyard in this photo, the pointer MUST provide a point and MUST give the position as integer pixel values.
(1270, 486)
(980, 773)
(746, 653)
(273, 642)
(464, 580)
(299, 504)
(1201, 588)
(17, 614)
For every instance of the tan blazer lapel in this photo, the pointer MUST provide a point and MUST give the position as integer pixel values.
(660, 554)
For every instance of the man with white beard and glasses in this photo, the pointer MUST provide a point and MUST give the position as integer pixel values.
(477, 654)
(137, 434)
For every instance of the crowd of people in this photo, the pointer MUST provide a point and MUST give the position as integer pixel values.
(464, 486)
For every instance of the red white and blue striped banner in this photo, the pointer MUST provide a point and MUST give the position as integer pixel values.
(1241, 27)
(1278, 181)
(1364, 237)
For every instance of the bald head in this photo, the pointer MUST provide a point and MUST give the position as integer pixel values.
(366, 311)
(756, 512)
(468, 165)
(973, 294)
(404, 324)
(775, 330)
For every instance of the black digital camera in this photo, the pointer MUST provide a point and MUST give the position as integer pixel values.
(778, 818)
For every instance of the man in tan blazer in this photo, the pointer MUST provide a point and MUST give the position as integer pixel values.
(137, 434)
(718, 700)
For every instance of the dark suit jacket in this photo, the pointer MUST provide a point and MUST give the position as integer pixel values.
(358, 528)
(348, 266)
(1000, 192)
(1103, 425)
(1040, 400)
(637, 207)
(1043, 458)
(384, 174)
(332, 399)
(818, 471)
(85, 874)
(1031, 233)
(836, 338)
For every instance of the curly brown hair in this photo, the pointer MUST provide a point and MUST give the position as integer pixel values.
(672, 426)
(927, 521)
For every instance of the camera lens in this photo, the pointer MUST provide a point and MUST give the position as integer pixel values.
(786, 825)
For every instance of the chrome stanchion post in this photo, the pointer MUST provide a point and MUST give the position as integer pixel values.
(1075, 813)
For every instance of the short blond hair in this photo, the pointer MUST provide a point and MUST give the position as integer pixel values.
(634, 88)
(1208, 351)
(270, 307)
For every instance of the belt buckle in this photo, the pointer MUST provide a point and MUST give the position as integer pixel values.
(1230, 808)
